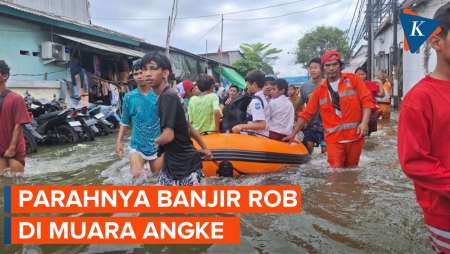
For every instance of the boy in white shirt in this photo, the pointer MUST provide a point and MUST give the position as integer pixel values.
(281, 111)
(257, 109)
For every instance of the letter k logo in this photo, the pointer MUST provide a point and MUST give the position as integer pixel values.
(417, 30)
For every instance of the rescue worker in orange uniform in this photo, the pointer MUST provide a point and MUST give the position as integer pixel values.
(344, 103)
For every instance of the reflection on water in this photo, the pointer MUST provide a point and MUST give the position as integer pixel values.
(371, 209)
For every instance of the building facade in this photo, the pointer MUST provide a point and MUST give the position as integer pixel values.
(412, 66)
(228, 57)
(39, 45)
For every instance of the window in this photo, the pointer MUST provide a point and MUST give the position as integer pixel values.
(25, 52)
(35, 53)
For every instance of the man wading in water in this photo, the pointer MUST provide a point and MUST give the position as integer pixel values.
(344, 104)
(182, 163)
(13, 114)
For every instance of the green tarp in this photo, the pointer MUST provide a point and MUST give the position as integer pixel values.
(232, 76)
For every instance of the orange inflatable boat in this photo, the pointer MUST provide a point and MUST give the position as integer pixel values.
(236, 154)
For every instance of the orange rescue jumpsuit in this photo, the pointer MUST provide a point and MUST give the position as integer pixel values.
(344, 145)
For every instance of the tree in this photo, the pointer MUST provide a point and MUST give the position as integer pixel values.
(256, 56)
(314, 43)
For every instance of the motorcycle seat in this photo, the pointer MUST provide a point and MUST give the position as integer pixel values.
(47, 116)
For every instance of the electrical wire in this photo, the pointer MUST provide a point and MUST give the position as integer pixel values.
(353, 17)
(345, 14)
(287, 14)
(210, 29)
(202, 16)
(357, 22)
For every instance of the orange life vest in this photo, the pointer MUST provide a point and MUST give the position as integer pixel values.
(353, 97)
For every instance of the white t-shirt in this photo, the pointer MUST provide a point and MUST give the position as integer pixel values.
(335, 86)
(259, 111)
(281, 115)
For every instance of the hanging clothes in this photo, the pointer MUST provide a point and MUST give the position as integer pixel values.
(97, 66)
(115, 97)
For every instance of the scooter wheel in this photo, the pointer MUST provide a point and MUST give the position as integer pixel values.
(67, 134)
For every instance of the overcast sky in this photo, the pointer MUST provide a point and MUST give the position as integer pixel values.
(147, 19)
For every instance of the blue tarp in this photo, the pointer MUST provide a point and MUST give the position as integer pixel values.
(296, 80)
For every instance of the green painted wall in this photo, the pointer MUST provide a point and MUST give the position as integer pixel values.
(17, 35)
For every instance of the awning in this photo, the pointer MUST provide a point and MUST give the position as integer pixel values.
(105, 47)
(232, 76)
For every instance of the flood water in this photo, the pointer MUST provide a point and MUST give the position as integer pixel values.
(371, 209)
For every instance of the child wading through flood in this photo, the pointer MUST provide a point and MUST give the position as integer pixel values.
(182, 163)
(139, 112)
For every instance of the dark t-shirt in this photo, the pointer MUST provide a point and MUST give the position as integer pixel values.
(180, 158)
(305, 91)
(14, 111)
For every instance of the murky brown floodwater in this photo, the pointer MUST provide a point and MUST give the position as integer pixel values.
(367, 210)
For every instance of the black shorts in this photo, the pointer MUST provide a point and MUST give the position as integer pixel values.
(312, 135)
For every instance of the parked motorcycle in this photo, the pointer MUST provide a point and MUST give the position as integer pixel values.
(49, 124)
(84, 124)
(41, 106)
(56, 127)
(97, 111)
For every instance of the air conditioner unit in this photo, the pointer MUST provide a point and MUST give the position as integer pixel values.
(54, 51)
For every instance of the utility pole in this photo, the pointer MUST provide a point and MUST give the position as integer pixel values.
(369, 13)
(171, 25)
(396, 61)
(221, 40)
(168, 38)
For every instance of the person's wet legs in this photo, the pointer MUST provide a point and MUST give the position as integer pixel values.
(353, 153)
(3, 166)
(336, 155)
(136, 165)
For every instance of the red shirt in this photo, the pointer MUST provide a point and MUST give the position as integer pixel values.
(424, 147)
(14, 111)
(373, 89)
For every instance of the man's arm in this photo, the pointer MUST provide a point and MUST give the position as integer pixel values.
(11, 151)
(21, 117)
(198, 138)
(255, 126)
(168, 115)
(297, 128)
(414, 151)
(217, 113)
(305, 116)
(217, 117)
(367, 104)
(166, 137)
(125, 121)
(363, 127)
(119, 141)
(259, 118)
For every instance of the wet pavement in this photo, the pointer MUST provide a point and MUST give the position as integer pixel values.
(371, 209)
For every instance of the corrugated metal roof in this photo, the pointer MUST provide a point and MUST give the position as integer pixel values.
(104, 46)
(66, 23)
(76, 10)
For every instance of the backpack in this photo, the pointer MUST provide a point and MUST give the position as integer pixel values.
(236, 112)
